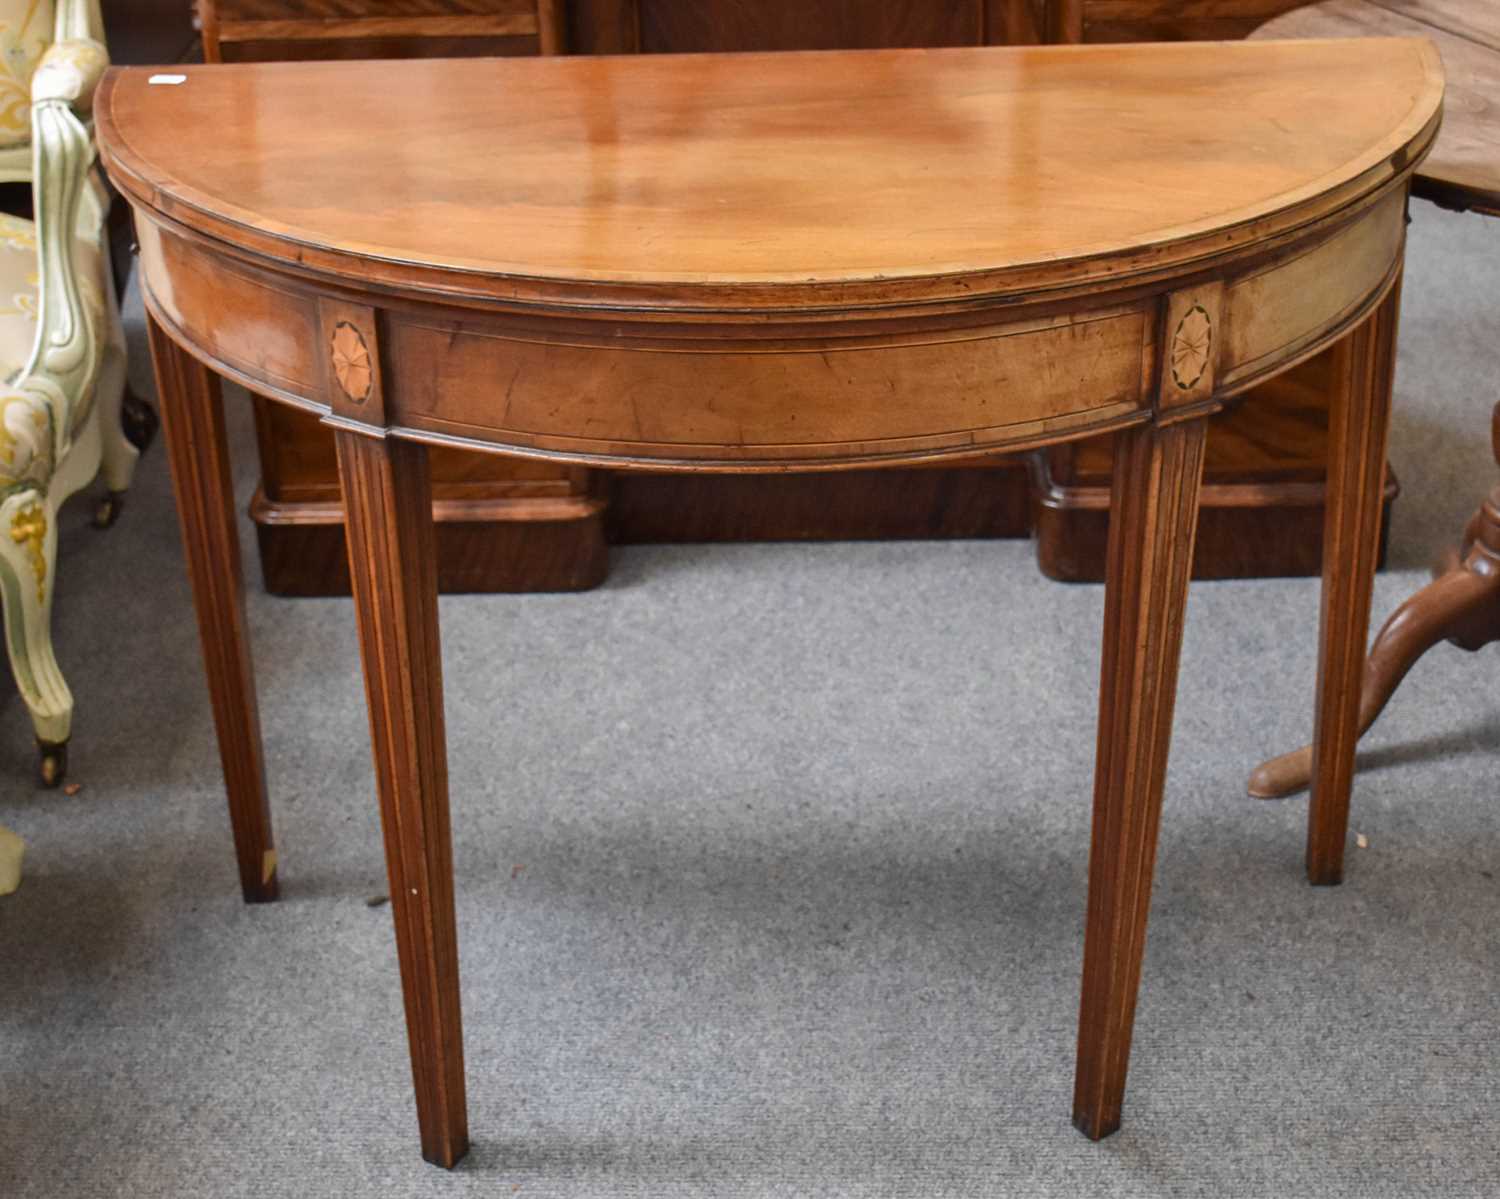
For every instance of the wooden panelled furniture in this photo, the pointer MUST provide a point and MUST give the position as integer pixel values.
(510, 526)
(257, 30)
(148, 31)
(1462, 604)
(760, 263)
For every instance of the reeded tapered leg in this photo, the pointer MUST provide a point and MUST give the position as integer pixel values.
(393, 563)
(192, 413)
(1153, 520)
(1358, 420)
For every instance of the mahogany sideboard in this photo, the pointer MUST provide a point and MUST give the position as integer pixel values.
(720, 264)
(510, 526)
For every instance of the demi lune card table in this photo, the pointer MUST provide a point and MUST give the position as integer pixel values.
(766, 262)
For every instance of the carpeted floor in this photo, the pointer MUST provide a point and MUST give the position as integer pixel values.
(770, 865)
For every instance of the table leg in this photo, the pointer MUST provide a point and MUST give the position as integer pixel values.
(1153, 520)
(1358, 420)
(1446, 608)
(393, 564)
(192, 413)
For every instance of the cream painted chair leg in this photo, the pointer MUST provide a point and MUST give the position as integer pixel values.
(11, 849)
(28, 561)
(120, 452)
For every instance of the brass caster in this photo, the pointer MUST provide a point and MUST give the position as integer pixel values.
(139, 421)
(107, 510)
(52, 763)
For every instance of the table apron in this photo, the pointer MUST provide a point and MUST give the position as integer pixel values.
(775, 393)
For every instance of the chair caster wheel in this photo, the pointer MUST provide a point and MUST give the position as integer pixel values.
(52, 763)
(139, 421)
(107, 511)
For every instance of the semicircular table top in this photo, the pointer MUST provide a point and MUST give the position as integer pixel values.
(1463, 170)
(968, 171)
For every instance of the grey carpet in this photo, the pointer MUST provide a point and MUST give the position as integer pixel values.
(770, 871)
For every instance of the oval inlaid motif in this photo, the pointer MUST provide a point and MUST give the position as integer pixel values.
(1190, 346)
(351, 361)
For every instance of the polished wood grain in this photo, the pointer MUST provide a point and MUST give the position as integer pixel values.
(1152, 523)
(1473, 20)
(1170, 20)
(694, 187)
(1463, 170)
(257, 20)
(192, 417)
(393, 565)
(1275, 307)
(241, 30)
(498, 25)
(1365, 366)
(836, 391)
(770, 336)
(334, 10)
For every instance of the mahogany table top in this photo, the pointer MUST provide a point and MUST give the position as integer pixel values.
(1463, 170)
(770, 178)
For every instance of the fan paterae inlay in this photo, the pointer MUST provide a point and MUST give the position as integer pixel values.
(351, 361)
(1190, 346)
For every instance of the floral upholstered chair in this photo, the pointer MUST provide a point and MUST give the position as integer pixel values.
(61, 346)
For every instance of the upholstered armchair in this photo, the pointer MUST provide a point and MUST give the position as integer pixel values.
(61, 345)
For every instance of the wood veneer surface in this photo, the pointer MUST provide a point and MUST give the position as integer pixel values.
(672, 170)
(1463, 170)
